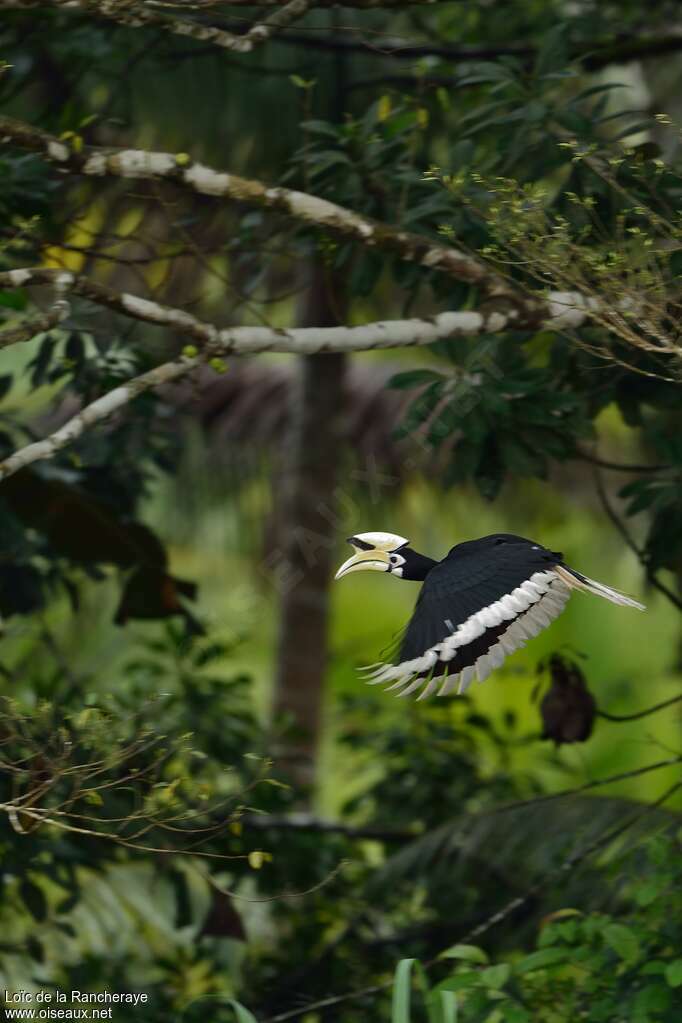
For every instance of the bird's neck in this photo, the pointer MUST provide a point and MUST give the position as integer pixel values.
(418, 567)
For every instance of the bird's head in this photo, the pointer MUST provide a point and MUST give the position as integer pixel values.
(385, 552)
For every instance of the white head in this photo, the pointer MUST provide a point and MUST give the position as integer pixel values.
(378, 552)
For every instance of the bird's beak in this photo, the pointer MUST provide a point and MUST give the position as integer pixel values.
(374, 560)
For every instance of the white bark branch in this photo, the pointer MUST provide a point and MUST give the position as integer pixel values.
(309, 209)
(206, 5)
(363, 4)
(562, 310)
(217, 341)
(281, 18)
(93, 413)
(138, 14)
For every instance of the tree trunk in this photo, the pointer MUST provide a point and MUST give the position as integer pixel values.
(306, 541)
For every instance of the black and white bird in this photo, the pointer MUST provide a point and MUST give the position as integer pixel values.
(479, 604)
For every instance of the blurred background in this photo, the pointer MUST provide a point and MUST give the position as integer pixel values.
(201, 799)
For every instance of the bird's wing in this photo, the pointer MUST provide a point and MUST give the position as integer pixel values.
(482, 602)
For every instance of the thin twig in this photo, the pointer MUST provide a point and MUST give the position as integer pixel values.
(568, 864)
(641, 555)
(40, 322)
(306, 822)
(641, 713)
(142, 15)
(603, 463)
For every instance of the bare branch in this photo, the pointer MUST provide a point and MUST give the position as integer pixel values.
(592, 56)
(568, 865)
(640, 713)
(287, 14)
(560, 310)
(206, 5)
(217, 342)
(97, 410)
(310, 209)
(363, 4)
(603, 463)
(641, 554)
(307, 822)
(142, 15)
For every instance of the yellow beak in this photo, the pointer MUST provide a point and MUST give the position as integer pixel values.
(374, 560)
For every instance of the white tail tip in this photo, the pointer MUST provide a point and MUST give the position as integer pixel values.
(581, 582)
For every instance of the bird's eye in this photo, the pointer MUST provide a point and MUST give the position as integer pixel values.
(393, 559)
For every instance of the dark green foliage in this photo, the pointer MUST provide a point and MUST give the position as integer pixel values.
(604, 966)
(159, 789)
(495, 413)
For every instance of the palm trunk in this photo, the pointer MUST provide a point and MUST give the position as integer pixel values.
(307, 539)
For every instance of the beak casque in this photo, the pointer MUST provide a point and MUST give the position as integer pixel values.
(375, 560)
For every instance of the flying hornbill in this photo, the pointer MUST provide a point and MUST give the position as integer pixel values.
(480, 603)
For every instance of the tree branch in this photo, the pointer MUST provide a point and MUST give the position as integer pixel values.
(217, 342)
(309, 209)
(568, 864)
(143, 15)
(362, 4)
(640, 554)
(307, 822)
(640, 713)
(592, 55)
(262, 31)
(93, 413)
(139, 14)
(206, 5)
(302, 340)
(586, 456)
(560, 310)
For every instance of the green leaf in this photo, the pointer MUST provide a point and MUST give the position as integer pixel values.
(540, 960)
(420, 409)
(33, 898)
(35, 949)
(648, 892)
(673, 973)
(653, 998)
(443, 1007)
(41, 363)
(653, 968)
(470, 953)
(496, 976)
(413, 378)
(461, 981)
(622, 941)
(243, 1015)
(552, 53)
(75, 348)
(13, 300)
(400, 1006)
(515, 1013)
(321, 128)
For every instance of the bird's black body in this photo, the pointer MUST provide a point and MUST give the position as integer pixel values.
(476, 606)
(473, 575)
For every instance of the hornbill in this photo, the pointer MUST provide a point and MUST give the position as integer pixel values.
(480, 603)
